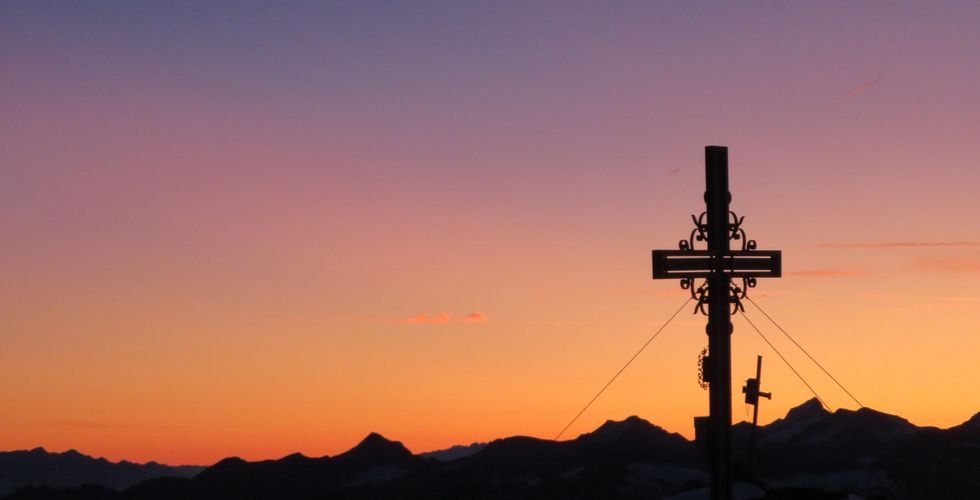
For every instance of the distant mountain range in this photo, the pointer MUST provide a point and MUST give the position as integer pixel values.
(811, 453)
(71, 468)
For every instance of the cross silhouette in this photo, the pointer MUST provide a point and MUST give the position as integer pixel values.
(718, 297)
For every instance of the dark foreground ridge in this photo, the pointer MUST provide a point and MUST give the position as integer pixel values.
(811, 453)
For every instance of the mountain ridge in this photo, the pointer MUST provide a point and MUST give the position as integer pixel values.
(864, 451)
(73, 468)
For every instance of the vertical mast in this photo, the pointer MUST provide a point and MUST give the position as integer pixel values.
(719, 329)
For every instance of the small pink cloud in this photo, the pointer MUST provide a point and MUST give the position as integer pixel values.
(862, 88)
(430, 320)
(902, 244)
(825, 273)
(474, 317)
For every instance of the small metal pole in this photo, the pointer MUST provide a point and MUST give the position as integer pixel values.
(755, 411)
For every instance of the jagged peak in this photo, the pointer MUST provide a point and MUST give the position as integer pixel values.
(809, 409)
(374, 438)
(630, 421)
(376, 447)
(796, 420)
(616, 429)
(375, 441)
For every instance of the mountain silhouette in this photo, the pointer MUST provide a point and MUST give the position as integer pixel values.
(71, 468)
(376, 449)
(454, 452)
(810, 453)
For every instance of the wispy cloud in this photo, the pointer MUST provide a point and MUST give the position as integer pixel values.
(423, 318)
(825, 273)
(861, 88)
(444, 317)
(949, 264)
(901, 244)
(474, 317)
(890, 297)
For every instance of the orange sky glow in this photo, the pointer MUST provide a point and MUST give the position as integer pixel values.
(260, 233)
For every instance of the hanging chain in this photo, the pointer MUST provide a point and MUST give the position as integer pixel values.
(702, 382)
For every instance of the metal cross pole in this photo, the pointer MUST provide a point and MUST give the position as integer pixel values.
(752, 395)
(718, 265)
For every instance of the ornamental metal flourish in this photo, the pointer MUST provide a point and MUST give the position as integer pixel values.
(700, 234)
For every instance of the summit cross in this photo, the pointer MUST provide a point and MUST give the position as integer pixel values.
(718, 297)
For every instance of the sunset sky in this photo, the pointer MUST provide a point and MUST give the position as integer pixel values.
(258, 228)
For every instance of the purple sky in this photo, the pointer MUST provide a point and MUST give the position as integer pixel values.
(222, 198)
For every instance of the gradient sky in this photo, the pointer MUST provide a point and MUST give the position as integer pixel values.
(257, 228)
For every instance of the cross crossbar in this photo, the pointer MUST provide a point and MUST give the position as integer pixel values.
(669, 264)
